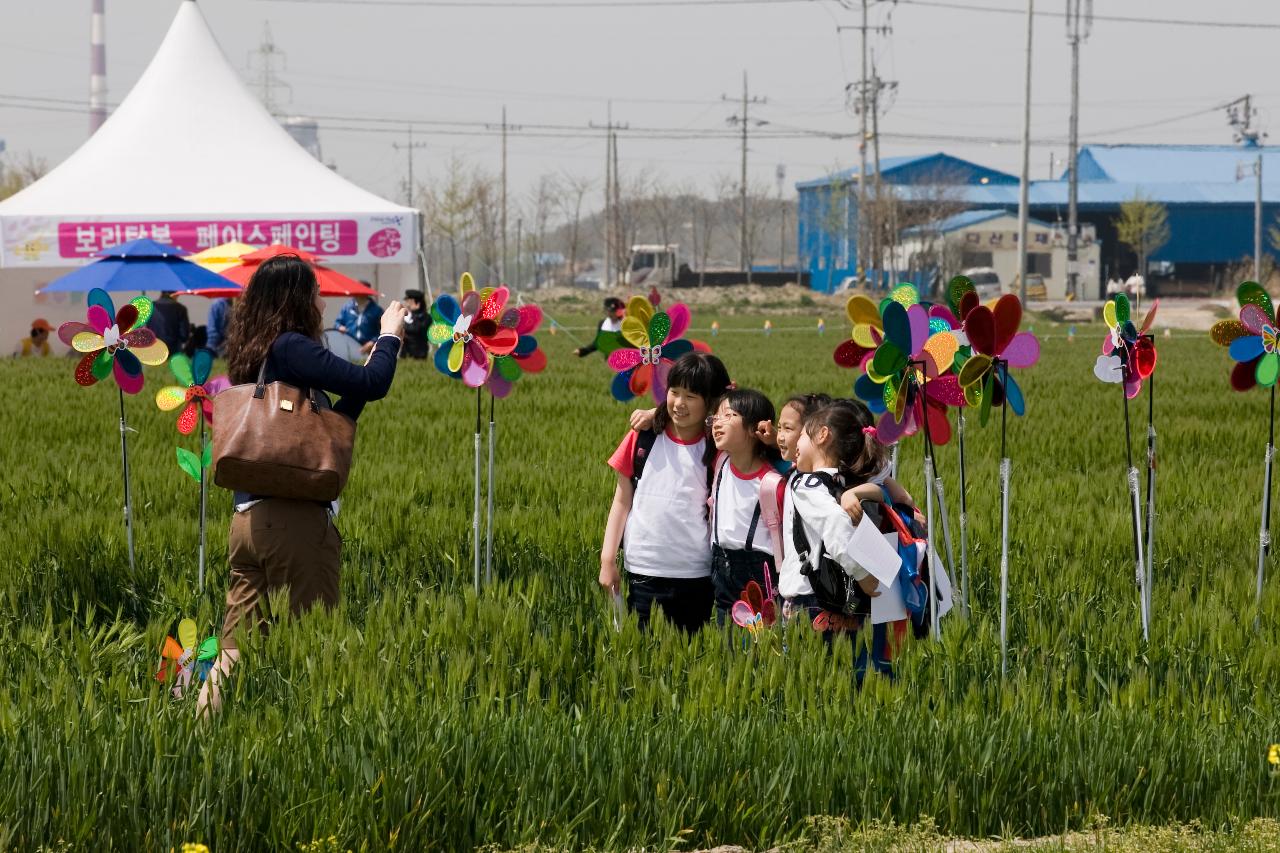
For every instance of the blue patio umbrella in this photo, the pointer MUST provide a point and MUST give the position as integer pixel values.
(135, 266)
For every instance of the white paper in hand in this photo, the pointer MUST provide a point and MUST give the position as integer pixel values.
(889, 606)
(875, 553)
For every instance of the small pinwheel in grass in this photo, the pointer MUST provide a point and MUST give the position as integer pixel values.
(472, 330)
(655, 344)
(525, 358)
(909, 378)
(754, 609)
(195, 389)
(1128, 353)
(180, 659)
(994, 337)
(114, 342)
(1253, 340)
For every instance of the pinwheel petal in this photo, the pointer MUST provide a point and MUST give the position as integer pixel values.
(1150, 319)
(742, 614)
(1008, 316)
(943, 313)
(501, 342)
(525, 344)
(635, 330)
(658, 382)
(126, 317)
(144, 306)
(641, 378)
(1132, 385)
(868, 390)
(475, 364)
(988, 398)
(1224, 332)
(155, 353)
(499, 386)
(189, 418)
(1247, 348)
(889, 359)
(1253, 318)
(92, 342)
(128, 372)
(918, 318)
(206, 407)
(102, 364)
(940, 353)
(84, 370)
(680, 319)
(470, 305)
(507, 367)
(530, 319)
(456, 353)
(889, 430)
(865, 337)
(967, 303)
(957, 289)
(1252, 293)
(1109, 313)
(1144, 357)
(1023, 350)
(170, 398)
(187, 635)
(939, 426)
(973, 370)
(446, 310)
(862, 311)
(180, 367)
(1013, 396)
(102, 299)
(510, 319)
(897, 326)
(1268, 368)
(1123, 312)
(466, 284)
(534, 362)
(674, 350)
(491, 308)
(68, 331)
(99, 319)
(905, 295)
(201, 366)
(659, 327)
(945, 390)
(850, 354)
(641, 309)
(139, 338)
(623, 359)
(216, 385)
(620, 387)
(443, 356)
(1109, 368)
(980, 326)
(1243, 376)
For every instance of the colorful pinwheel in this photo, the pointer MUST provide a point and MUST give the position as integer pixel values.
(180, 659)
(195, 389)
(1253, 340)
(471, 331)
(868, 332)
(993, 334)
(911, 367)
(656, 338)
(525, 358)
(114, 342)
(754, 610)
(1128, 353)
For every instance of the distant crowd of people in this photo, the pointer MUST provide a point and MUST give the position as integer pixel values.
(352, 336)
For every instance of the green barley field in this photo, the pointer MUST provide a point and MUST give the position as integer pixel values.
(422, 716)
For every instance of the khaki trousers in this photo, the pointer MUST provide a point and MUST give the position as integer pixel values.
(278, 544)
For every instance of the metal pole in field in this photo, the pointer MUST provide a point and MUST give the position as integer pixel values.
(204, 502)
(862, 154)
(128, 496)
(1264, 534)
(1131, 476)
(475, 510)
(1151, 489)
(1078, 28)
(928, 500)
(1026, 162)
(964, 520)
(488, 541)
(1005, 470)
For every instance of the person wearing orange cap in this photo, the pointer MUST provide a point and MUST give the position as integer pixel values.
(37, 343)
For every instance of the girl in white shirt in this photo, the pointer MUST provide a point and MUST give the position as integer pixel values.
(742, 546)
(659, 513)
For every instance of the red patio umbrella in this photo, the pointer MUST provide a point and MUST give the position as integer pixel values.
(332, 282)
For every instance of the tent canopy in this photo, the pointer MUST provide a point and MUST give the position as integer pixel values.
(192, 158)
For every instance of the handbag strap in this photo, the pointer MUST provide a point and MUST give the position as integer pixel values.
(260, 388)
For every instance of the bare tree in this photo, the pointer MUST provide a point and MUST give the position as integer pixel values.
(574, 191)
(631, 209)
(486, 190)
(539, 208)
(450, 206)
(18, 177)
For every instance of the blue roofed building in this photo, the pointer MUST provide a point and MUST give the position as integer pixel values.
(1208, 191)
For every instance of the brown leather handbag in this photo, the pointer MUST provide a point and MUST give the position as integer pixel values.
(279, 441)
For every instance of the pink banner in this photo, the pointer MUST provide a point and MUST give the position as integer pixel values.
(329, 238)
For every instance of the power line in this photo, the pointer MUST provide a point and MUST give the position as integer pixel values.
(1117, 19)
(539, 4)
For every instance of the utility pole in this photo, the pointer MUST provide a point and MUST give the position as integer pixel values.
(1240, 114)
(504, 127)
(877, 86)
(612, 222)
(1079, 24)
(1023, 184)
(409, 147)
(863, 85)
(410, 190)
(744, 120)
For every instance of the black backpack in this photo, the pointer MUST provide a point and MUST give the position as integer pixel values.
(834, 590)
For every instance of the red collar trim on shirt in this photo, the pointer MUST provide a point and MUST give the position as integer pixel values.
(671, 434)
(759, 474)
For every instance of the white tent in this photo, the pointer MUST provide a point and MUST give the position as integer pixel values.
(192, 158)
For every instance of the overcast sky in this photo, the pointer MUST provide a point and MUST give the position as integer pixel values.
(666, 65)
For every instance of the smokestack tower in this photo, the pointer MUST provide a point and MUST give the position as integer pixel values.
(97, 68)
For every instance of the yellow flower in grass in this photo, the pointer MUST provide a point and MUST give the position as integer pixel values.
(1273, 755)
(194, 847)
